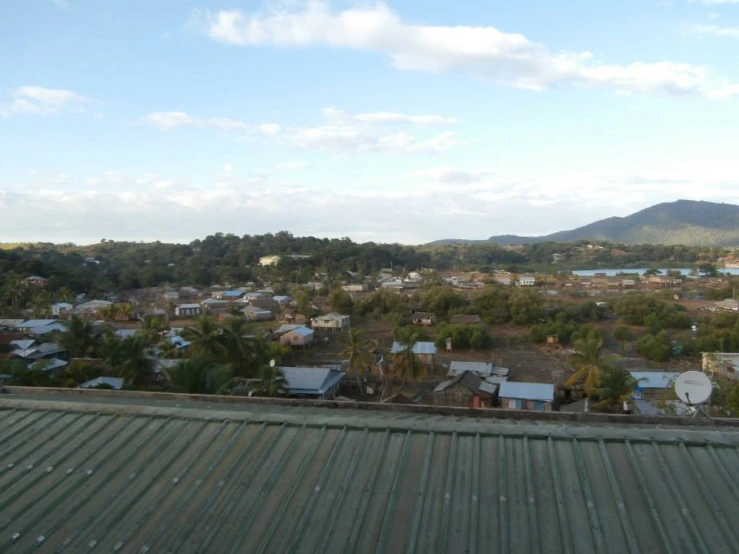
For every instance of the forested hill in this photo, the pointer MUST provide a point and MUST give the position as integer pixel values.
(685, 222)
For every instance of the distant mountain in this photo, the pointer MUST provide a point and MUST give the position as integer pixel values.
(682, 222)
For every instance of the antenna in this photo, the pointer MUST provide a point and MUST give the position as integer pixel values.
(694, 388)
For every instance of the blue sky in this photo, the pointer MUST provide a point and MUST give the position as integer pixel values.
(395, 121)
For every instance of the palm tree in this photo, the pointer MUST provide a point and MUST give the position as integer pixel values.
(130, 360)
(200, 376)
(64, 294)
(356, 352)
(239, 351)
(616, 386)
(205, 337)
(80, 338)
(272, 383)
(151, 328)
(406, 364)
(587, 358)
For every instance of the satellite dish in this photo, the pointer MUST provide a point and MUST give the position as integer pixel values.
(693, 387)
(271, 363)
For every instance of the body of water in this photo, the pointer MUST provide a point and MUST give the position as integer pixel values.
(641, 270)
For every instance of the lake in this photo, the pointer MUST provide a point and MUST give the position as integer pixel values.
(641, 270)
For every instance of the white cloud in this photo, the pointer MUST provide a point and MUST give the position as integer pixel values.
(166, 121)
(715, 30)
(451, 175)
(387, 117)
(151, 207)
(37, 100)
(293, 165)
(227, 169)
(507, 58)
(347, 139)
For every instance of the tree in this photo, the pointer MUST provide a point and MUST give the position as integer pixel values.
(238, 350)
(654, 325)
(525, 307)
(200, 376)
(356, 352)
(587, 359)
(708, 270)
(151, 327)
(130, 359)
(657, 348)
(623, 333)
(340, 301)
(615, 387)
(406, 364)
(205, 338)
(80, 338)
(652, 271)
(272, 383)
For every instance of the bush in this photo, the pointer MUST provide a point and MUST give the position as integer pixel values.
(463, 336)
(655, 348)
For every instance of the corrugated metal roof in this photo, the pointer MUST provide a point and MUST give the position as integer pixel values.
(655, 379)
(480, 368)
(114, 382)
(311, 380)
(527, 391)
(418, 348)
(33, 323)
(102, 477)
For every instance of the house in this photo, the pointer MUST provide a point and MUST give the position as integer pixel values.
(396, 284)
(426, 351)
(228, 294)
(40, 351)
(60, 308)
(215, 304)
(92, 307)
(295, 335)
(330, 322)
(35, 281)
(171, 296)
(723, 364)
(321, 383)
(252, 313)
(526, 281)
(266, 261)
(628, 283)
(115, 383)
(269, 304)
(514, 395)
(600, 280)
(465, 320)
(355, 287)
(281, 300)
(257, 295)
(466, 390)
(38, 326)
(426, 319)
(653, 385)
(481, 369)
(728, 304)
(48, 364)
(188, 292)
(504, 279)
(9, 324)
(188, 310)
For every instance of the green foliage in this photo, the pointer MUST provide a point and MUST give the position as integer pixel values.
(725, 397)
(441, 300)
(526, 307)
(708, 270)
(614, 387)
(271, 383)
(200, 376)
(653, 324)
(623, 333)
(635, 307)
(463, 336)
(655, 348)
(340, 301)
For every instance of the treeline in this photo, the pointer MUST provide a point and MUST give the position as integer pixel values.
(223, 259)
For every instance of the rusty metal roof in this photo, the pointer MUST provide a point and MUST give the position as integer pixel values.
(103, 475)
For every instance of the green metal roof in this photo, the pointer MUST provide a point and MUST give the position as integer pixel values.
(108, 475)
